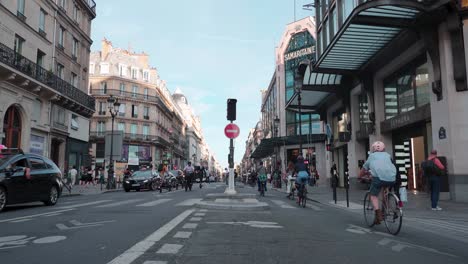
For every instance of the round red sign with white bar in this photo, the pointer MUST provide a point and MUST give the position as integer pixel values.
(231, 131)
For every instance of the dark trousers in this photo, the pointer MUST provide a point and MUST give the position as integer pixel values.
(434, 181)
(264, 185)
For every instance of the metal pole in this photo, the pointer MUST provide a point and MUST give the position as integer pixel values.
(300, 122)
(110, 172)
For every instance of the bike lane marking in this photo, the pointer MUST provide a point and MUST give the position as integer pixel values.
(31, 216)
(141, 247)
(118, 203)
(156, 202)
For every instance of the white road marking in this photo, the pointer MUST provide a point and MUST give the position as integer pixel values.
(31, 216)
(141, 247)
(200, 214)
(189, 202)
(190, 226)
(257, 224)
(182, 234)
(315, 207)
(169, 249)
(84, 204)
(51, 239)
(342, 204)
(156, 202)
(119, 203)
(155, 262)
(203, 210)
(21, 220)
(52, 215)
(195, 219)
(282, 204)
(81, 225)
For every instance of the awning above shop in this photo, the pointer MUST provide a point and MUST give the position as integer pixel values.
(369, 28)
(316, 87)
(267, 146)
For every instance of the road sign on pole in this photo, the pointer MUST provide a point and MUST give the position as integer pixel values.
(231, 131)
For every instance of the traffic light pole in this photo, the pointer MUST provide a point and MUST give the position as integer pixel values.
(231, 189)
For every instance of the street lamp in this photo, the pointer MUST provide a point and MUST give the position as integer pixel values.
(113, 110)
(276, 123)
(298, 79)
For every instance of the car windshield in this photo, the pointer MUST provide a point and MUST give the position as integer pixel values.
(3, 159)
(142, 174)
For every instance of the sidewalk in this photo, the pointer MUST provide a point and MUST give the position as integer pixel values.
(87, 190)
(418, 204)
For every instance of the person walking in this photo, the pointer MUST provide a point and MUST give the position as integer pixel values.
(73, 173)
(433, 170)
(291, 179)
(188, 171)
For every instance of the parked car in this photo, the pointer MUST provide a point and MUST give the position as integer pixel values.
(142, 179)
(28, 178)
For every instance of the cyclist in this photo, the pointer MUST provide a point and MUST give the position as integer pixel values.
(383, 175)
(302, 174)
(262, 176)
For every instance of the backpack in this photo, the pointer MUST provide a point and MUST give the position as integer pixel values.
(430, 168)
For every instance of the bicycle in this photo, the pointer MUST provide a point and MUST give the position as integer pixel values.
(391, 211)
(262, 188)
(302, 195)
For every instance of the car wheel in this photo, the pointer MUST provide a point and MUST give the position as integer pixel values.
(3, 198)
(153, 186)
(53, 196)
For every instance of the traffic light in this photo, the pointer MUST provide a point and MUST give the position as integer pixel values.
(231, 109)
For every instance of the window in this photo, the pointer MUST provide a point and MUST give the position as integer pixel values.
(60, 71)
(134, 111)
(122, 70)
(37, 110)
(74, 79)
(76, 13)
(122, 110)
(121, 126)
(122, 88)
(37, 164)
(63, 4)
(61, 37)
(145, 130)
(146, 113)
(326, 34)
(42, 18)
(334, 21)
(422, 85)
(92, 68)
(59, 115)
(133, 129)
(146, 75)
(146, 93)
(75, 124)
(348, 7)
(21, 7)
(103, 87)
(40, 58)
(102, 110)
(134, 91)
(134, 73)
(19, 41)
(101, 127)
(105, 68)
(75, 49)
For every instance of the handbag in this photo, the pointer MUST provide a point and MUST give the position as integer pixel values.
(403, 194)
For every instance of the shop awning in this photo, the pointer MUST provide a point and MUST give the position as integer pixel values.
(368, 29)
(267, 145)
(316, 87)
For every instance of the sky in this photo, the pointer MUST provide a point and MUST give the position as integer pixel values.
(211, 49)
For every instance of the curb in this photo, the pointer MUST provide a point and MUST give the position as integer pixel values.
(207, 205)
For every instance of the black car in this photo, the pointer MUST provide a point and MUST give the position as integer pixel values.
(28, 178)
(143, 179)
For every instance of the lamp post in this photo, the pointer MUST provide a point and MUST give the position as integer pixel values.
(298, 78)
(113, 110)
(276, 123)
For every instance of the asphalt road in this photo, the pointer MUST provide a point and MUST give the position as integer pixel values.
(148, 227)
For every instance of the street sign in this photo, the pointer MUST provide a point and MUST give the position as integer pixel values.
(231, 131)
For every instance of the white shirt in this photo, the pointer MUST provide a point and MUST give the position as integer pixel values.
(73, 172)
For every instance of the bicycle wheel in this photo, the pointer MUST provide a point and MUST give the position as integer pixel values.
(369, 215)
(393, 215)
(304, 198)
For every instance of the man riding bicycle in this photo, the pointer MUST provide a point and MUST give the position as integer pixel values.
(383, 173)
(302, 174)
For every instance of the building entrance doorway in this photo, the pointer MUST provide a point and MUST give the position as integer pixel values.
(12, 128)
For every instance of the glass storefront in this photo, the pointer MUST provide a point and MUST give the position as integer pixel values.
(407, 90)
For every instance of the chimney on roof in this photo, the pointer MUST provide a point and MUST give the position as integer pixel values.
(106, 48)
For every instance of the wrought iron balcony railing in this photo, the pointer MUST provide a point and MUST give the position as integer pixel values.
(26, 66)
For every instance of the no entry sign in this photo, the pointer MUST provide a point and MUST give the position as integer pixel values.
(231, 131)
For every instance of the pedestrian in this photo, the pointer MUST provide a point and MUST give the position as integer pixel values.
(262, 176)
(188, 171)
(314, 176)
(291, 179)
(72, 173)
(433, 170)
(89, 176)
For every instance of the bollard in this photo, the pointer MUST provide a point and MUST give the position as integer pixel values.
(347, 187)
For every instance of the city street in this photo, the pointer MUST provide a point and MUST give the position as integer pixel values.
(148, 227)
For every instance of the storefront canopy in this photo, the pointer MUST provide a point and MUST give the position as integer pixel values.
(369, 28)
(267, 145)
(316, 87)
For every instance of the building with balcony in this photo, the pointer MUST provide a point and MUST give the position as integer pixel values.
(145, 116)
(402, 68)
(44, 55)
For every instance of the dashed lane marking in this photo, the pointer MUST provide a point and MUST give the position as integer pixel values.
(282, 204)
(182, 234)
(195, 219)
(84, 204)
(156, 202)
(189, 202)
(169, 249)
(190, 226)
(31, 216)
(200, 214)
